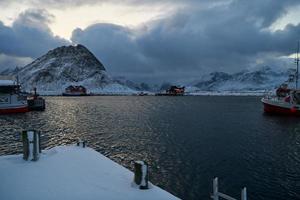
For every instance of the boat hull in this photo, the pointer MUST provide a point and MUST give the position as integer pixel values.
(281, 109)
(13, 110)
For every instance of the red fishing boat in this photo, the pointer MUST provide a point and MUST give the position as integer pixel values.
(289, 105)
(286, 101)
(11, 99)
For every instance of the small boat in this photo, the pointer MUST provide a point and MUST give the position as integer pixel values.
(172, 91)
(11, 98)
(35, 102)
(286, 101)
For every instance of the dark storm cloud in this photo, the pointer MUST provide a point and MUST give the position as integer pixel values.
(7, 62)
(75, 3)
(114, 45)
(228, 37)
(29, 35)
(203, 36)
(261, 12)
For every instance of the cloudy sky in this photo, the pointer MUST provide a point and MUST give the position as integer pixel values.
(155, 40)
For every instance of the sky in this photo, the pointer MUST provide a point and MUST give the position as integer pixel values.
(155, 40)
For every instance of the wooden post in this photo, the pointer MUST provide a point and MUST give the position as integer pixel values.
(141, 175)
(31, 145)
(244, 194)
(215, 189)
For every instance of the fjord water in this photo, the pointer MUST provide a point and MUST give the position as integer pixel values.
(186, 140)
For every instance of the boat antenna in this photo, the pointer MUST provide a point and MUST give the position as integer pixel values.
(297, 64)
(17, 75)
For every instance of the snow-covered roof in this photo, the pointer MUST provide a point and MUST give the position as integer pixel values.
(7, 82)
(70, 173)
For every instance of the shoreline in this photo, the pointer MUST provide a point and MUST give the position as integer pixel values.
(146, 93)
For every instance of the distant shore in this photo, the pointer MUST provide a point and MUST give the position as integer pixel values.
(204, 93)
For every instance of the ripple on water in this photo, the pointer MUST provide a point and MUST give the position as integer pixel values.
(186, 140)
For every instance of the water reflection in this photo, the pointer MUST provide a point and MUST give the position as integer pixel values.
(186, 140)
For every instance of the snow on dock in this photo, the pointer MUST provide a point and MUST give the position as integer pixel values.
(70, 173)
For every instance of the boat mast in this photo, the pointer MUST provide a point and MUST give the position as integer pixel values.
(297, 64)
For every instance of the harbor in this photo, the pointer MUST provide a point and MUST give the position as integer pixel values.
(146, 100)
(185, 141)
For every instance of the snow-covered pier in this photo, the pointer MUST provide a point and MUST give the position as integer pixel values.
(70, 173)
(76, 172)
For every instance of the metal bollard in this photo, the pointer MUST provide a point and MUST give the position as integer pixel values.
(244, 194)
(215, 189)
(216, 194)
(81, 143)
(141, 175)
(31, 145)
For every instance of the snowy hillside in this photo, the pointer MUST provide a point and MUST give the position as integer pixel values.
(68, 65)
(245, 81)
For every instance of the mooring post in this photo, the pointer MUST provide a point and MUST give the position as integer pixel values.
(244, 194)
(81, 143)
(141, 175)
(215, 189)
(31, 145)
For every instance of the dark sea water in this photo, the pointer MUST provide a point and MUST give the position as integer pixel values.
(186, 140)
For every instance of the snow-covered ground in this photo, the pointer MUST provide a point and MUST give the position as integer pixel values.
(70, 173)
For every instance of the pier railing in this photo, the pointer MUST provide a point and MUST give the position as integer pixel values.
(216, 194)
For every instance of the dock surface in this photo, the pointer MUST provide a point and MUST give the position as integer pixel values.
(70, 173)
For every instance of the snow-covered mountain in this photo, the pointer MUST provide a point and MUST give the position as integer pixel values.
(245, 81)
(76, 65)
(69, 65)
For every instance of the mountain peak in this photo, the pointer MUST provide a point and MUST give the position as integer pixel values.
(78, 52)
(69, 49)
(63, 66)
